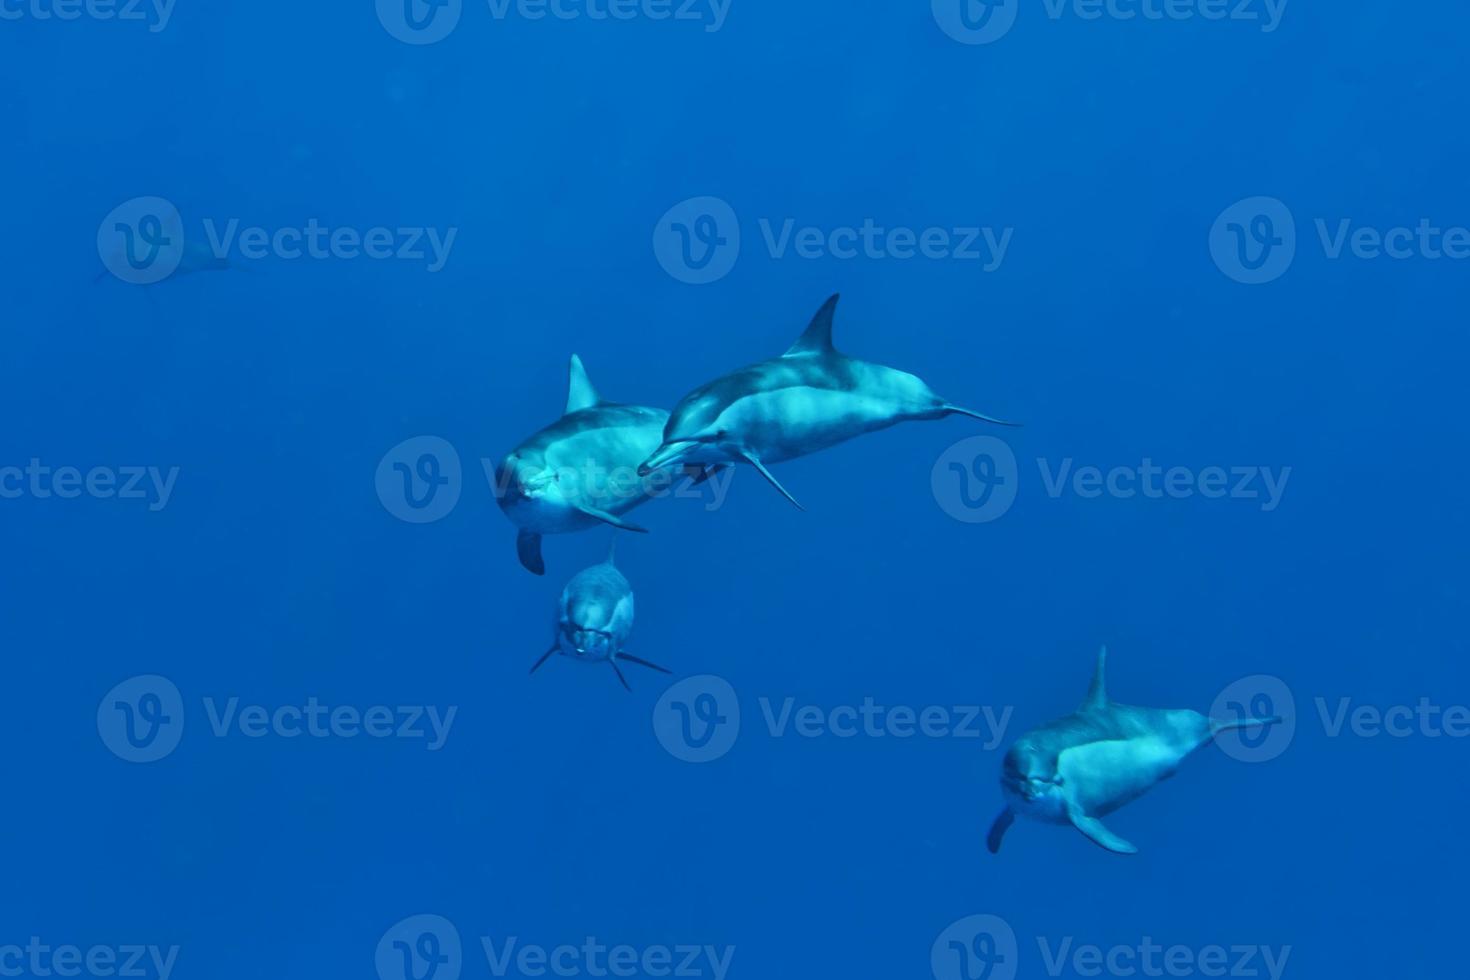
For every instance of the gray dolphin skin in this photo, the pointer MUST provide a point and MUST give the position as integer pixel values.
(810, 398)
(579, 471)
(594, 618)
(1083, 767)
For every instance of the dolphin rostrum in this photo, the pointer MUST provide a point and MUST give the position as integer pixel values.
(579, 471)
(810, 398)
(594, 618)
(1084, 766)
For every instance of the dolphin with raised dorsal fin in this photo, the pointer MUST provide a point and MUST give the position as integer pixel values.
(594, 618)
(1081, 768)
(579, 471)
(810, 398)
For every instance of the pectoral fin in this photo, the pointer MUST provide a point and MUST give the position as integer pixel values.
(700, 474)
(528, 547)
(536, 666)
(607, 518)
(1094, 831)
(998, 829)
(761, 468)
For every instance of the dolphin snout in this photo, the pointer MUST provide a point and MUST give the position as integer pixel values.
(669, 452)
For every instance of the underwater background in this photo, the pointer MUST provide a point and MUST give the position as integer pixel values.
(1177, 289)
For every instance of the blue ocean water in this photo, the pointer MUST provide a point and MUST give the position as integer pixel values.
(1214, 247)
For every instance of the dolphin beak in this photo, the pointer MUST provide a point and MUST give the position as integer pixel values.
(668, 453)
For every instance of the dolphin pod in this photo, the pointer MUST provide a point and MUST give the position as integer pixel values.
(1080, 768)
(594, 618)
(1075, 770)
(808, 399)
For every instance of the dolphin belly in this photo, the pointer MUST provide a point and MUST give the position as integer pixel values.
(1102, 776)
(791, 422)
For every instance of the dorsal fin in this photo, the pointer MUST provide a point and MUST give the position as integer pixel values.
(580, 393)
(1097, 694)
(817, 338)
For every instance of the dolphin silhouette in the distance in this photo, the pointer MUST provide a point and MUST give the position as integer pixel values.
(810, 398)
(580, 471)
(1080, 768)
(594, 618)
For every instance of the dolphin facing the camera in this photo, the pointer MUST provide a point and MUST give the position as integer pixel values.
(578, 472)
(594, 618)
(808, 399)
(1083, 767)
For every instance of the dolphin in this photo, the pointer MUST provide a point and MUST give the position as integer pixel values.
(594, 618)
(578, 472)
(808, 399)
(1084, 766)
